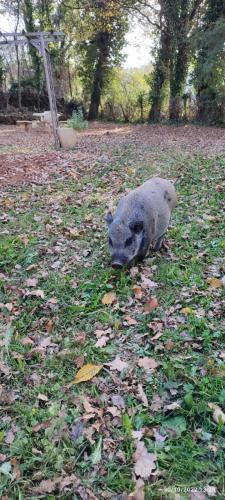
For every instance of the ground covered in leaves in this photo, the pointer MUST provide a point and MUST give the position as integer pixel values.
(151, 340)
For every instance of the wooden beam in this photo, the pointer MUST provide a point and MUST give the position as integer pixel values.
(51, 90)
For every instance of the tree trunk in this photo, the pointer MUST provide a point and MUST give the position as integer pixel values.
(103, 48)
(161, 74)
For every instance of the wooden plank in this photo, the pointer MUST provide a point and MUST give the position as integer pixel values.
(51, 92)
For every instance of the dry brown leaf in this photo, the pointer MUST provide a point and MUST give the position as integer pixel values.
(147, 283)
(35, 293)
(102, 341)
(44, 425)
(156, 404)
(218, 414)
(42, 397)
(109, 298)
(49, 326)
(80, 338)
(9, 437)
(138, 434)
(46, 486)
(113, 410)
(130, 321)
(4, 369)
(87, 406)
(137, 292)
(27, 341)
(87, 372)
(138, 493)
(117, 364)
(32, 282)
(144, 461)
(215, 282)
(118, 401)
(157, 336)
(149, 364)
(150, 305)
(79, 361)
(142, 395)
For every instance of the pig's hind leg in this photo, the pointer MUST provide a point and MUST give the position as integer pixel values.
(159, 243)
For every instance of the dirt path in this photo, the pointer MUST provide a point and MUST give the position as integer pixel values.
(31, 157)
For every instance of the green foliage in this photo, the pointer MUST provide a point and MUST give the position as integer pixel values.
(210, 63)
(77, 121)
(126, 95)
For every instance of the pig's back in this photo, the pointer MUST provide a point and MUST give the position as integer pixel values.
(158, 192)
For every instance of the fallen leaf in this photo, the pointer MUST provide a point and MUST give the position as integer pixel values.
(9, 437)
(45, 486)
(87, 406)
(4, 369)
(113, 410)
(149, 364)
(150, 305)
(2, 457)
(102, 341)
(137, 292)
(117, 364)
(27, 341)
(35, 293)
(172, 406)
(138, 493)
(142, 395)
(80, 338)
(31, 282)
(156, 404)
(43, 425)
(87, 372)
(79, 361)
(42, 397)
(144, 461)
(157, 336)
(77, 430)
(49, 326)
(158, 437)
(218, 414)
(118, 401)
(147, 283)
(156, 326)
(130, 321)
(138, 434)
(187, 310)
(109, 298)
(215, 283)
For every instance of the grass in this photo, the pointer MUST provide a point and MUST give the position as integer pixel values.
(73, 271)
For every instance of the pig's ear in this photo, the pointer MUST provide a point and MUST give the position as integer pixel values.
(136, 226)
(109, 218)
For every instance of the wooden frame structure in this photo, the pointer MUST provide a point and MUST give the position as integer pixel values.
(40, 40)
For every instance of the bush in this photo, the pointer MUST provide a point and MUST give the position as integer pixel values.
(77, 121)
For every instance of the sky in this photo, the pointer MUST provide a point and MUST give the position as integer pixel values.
(137, 50)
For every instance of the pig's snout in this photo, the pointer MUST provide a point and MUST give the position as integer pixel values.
(118, 261)
(117, 265)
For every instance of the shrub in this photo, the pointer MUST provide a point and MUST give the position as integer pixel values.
(77, 121)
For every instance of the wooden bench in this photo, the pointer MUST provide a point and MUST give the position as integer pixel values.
(24, 125)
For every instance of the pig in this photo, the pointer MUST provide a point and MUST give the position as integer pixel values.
(141, 220)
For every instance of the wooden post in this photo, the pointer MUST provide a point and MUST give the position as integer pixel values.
(50, 88)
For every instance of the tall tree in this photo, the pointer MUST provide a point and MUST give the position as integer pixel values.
(101, 47)
(210, 63)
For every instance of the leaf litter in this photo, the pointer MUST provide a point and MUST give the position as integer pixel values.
(163, 324)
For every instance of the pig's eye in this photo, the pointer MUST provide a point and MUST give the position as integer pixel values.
(110, 242)
(128, 242)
